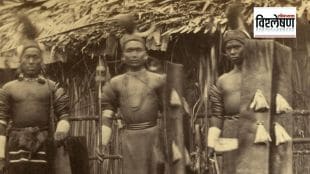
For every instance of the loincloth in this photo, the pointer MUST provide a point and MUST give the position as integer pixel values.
(141, 150)
(27, 145)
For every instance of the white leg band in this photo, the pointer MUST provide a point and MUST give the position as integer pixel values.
(105, 134)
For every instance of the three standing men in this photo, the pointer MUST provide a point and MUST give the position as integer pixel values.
(26, 102)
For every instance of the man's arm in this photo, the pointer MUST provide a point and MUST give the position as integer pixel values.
(160, 91)
(61, 109)
(217, 112)
(4, 115)
(109, 106)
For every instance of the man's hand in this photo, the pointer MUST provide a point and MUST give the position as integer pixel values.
(2, 165)
(100, 152)
(211, 152)
(59, 136)
(62, 130)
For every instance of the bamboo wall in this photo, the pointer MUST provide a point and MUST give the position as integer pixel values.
(301, 123)
(78, 79)
(301, 96)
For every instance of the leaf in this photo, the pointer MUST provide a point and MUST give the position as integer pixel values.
(166, 1)
(207, 29)
(168, 32)
(50, 4)
(197, 29)
(223, 21)
(250, 19)
(206, 6)
(184, 30)
(223, 28)
(189, 30)
(197, 20)
(213, 29)
(179, 30)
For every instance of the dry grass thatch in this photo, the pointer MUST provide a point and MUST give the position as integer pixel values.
(69, 24)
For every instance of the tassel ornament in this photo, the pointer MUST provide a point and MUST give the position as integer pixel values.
(186, 106)
(175, 99)
(120, 124)
(262, 136)
(21, 77)
(187, 157)
(282, 105)
(259, 102)
(100, 71)
(281, 135)
(176, 153)
(41, 79)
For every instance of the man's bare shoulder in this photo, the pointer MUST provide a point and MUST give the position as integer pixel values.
(117, 78)
(157, 76)
(228, 76)
(157, 79)
(222, 79)
(9, 84)
(51, 83)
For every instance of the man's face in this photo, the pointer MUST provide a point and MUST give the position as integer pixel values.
(234, 49)
(30, 62)
(134, 54)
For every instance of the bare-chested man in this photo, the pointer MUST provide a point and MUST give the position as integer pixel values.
(225, 101)
(136, 94)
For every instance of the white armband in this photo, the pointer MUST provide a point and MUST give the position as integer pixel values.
(63, 126)
(4, 123)
(213, 136)
(2, 146)
(107, 113)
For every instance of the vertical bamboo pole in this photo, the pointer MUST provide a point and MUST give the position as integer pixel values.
(100, 112)
(282, 155)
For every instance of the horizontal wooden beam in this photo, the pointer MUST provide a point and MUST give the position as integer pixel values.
(83, 118)
(301, 152)
(301, 140)
(113, 157)
(302, 112)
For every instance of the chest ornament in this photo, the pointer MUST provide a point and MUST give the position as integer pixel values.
(39, 79)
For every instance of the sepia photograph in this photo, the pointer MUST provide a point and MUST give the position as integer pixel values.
(154, 87)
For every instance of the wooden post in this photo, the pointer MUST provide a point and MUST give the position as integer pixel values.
(253, 158)
(174, 118)
(282, 154)
(99, 123)
(267, 67)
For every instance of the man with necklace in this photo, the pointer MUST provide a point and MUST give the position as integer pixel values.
(26, 121)
(136, 94)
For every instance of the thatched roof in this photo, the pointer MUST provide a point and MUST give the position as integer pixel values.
(71, 24)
